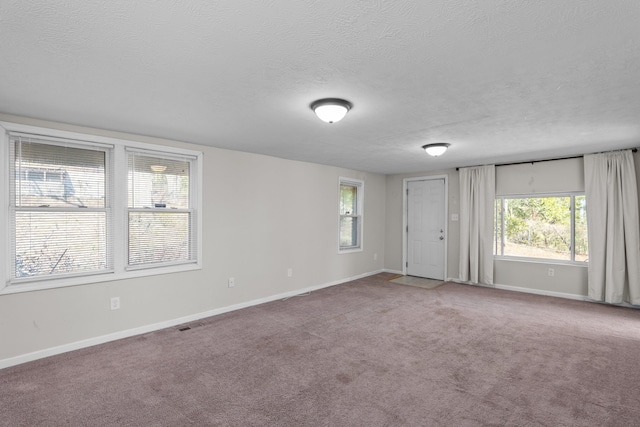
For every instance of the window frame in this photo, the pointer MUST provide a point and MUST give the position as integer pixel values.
(107, 149)
(117, 184)
(154, 209)
(500, 256)
(359, 215)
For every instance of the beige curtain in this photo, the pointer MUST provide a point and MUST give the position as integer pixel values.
(477, 200)
(612, 220)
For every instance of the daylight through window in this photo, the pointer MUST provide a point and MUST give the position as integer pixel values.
(542, 227)
(350, 235)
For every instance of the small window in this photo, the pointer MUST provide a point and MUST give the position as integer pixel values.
(160, 215)
(351, 196)
(542, 227)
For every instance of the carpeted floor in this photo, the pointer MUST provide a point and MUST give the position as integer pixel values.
(365, 353)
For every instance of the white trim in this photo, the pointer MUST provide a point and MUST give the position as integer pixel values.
(546, 293)
(120, 218)
(526, 290)
(513, 258)
(158, 154)
(52, 351)
(197, 190)
(405, 212)
(62, 282)
(5, 229)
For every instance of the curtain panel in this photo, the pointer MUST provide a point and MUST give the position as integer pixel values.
(613, 228)
(477, 200)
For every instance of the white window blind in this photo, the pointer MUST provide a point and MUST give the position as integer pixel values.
(160, 215)
(59, 207)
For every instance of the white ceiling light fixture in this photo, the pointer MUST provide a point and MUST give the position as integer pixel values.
(331, 110)
(436, 149)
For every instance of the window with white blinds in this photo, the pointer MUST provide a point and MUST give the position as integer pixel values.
(159, 209)
(82, 208)
(60, 210)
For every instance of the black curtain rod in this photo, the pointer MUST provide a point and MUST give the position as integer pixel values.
(635, 150)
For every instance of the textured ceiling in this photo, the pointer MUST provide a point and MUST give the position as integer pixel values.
(500, 80)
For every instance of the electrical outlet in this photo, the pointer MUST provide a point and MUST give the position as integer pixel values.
(375, 257)
(115, 303)
(290, 272)
(552, 272)
(231, 282)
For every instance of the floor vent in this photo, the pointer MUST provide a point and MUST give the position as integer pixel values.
(188, 327)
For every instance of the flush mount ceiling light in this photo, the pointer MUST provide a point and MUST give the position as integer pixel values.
(331, 110)
(436, 149)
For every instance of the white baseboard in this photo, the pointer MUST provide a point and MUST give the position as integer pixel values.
(386, 270)
(77, 345)
(543, 292)
(527, 290)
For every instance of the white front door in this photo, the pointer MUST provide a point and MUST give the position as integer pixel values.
(426, 228)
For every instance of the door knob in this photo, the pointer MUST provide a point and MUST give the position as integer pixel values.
(441, 237)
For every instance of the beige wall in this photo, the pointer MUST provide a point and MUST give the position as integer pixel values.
(529, 178)
(555, 176)
(261, 216)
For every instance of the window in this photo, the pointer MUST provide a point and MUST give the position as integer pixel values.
(159, 210)
(72, 219)
(542, 227)
(351, 196)
(60, 212)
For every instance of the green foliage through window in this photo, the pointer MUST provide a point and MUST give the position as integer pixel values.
(549, 227)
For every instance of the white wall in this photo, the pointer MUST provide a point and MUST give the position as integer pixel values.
(261, 216)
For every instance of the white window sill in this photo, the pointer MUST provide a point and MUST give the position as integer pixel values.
(349, 250)
(541, 261)
(28, 286)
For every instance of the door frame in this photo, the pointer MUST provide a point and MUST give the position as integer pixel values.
(405, 213)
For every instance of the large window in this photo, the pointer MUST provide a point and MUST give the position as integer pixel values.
(82, 208)
(350, 212)
(550, 227)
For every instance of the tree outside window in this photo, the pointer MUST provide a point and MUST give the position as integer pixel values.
(548, 227)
